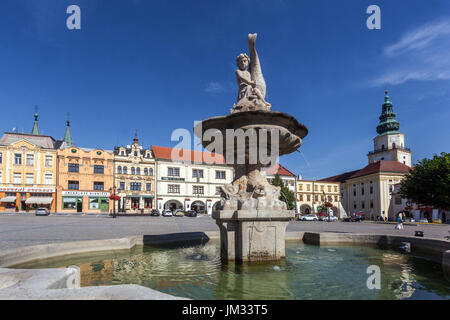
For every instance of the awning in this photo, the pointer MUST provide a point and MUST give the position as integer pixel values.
(39, 200)
(139, 196)
(8, 199)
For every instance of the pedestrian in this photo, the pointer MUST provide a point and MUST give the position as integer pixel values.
(399, 225)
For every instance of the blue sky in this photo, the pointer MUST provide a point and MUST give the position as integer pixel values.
(160, 65)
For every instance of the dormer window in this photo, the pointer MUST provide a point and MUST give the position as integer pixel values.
(135, 153)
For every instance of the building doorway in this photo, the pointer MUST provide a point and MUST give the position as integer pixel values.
(79, 206)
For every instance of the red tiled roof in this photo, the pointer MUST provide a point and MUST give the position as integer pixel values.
(340, 177)
(187, 155)
(379, 166)
(280, 170)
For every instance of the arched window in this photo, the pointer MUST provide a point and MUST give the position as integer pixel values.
(393, 145)
(125, 170)
(132, 170)
(146, 171)
(151, 171)
(138, 171)
(119, 169)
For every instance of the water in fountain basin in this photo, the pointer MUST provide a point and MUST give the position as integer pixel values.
(308, 272)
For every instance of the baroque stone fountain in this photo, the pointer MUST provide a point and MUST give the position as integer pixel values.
(252, 218)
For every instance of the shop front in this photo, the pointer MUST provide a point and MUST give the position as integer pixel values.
(137, 203)
(26, 198)
(85, 201)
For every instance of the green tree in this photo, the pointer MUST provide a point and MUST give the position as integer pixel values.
(428, 183)
(289, 196)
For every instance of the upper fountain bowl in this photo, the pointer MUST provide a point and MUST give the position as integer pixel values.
(291, 132)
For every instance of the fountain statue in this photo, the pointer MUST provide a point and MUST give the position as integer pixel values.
(252, 219)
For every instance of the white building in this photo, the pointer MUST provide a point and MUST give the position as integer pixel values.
(184, 179)
(286, 176)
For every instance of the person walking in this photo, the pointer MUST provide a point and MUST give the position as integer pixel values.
(399, 225)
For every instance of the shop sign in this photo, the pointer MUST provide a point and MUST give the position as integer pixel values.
(85, 193)
(27, 189)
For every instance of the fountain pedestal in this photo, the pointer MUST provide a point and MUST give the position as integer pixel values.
(252, 235)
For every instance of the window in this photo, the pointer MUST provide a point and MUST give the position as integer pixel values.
(354, 205)
(371, 189)
(73, 185)
(300, 187)
(48, 161)
(98, 185)
(121, 185)
(362, 191)
(300, 197)
(197, 173)
(362, 205)
(17, 178)
(398, 200)
(335, 189)
(329, 188)
(308, 187)
(138, 171)
(315, 188)
(119, 169)
(17, 158)
(74, 167)
(218, 190)
(371, 204)
(122, 153)
(69, 203)
(48, 178)
(135, 186)
(322, 198)
(151, 171)
(1, 157)
(321, 188)
(173, 172)
(148, 187)
(146, 171)
(308, 197)
(220, 174)
(135, 154)
(336, 198)
(198, 189)
(354, 192)
(133, 171)
(316, 198)
(30, 160)
(93, 203)
(99, 169)
(173, 188)
(29, 178)
(125, 170)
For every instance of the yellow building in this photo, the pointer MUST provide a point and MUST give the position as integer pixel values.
(313, 195)
(27, 171)
(85, 180)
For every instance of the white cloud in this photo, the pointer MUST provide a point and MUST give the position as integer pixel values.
(214, 87)
(421, 54)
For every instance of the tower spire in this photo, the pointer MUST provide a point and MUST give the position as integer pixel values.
(388, 122)
(135, 140)
(35, 129)
(68, 136)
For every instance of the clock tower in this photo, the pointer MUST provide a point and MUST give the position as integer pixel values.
(389, 145)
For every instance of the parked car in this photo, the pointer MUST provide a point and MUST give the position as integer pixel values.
(330, 218)
(42, 212)
(167, 213)
(179, 213)
(409, 220)
(190, 213)
(154, 213)
(309, 217)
